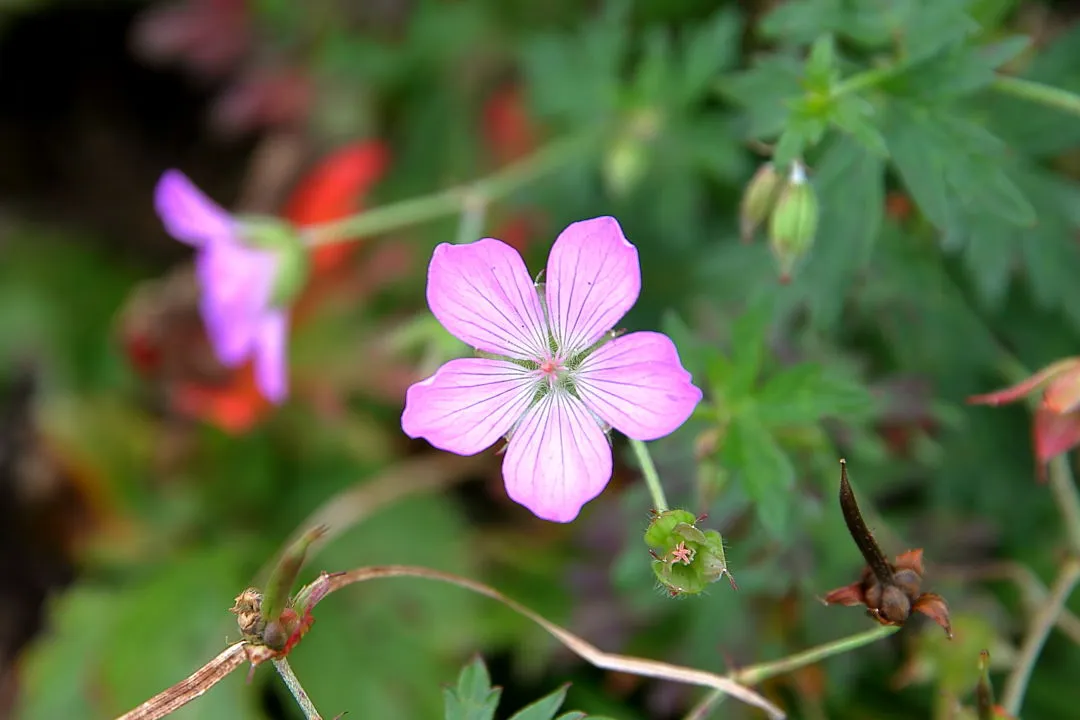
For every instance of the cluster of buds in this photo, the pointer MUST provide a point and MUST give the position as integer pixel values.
(686, 559)
(1056, 425)
(789, 204)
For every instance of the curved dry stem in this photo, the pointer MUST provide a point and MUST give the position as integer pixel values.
(434, 471)
(327, 583)
(183, 692)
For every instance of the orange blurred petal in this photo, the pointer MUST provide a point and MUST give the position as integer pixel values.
(235, 407)
(334, 189)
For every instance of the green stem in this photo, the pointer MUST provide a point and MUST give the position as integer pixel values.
(472, 219)
(1067, 499)
(1016, 683)
(452, 200)
(865, 79)
(652, 478)
(761, 672)
(285, 670)
(1037, 92)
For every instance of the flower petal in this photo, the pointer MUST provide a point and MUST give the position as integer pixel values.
(236, 286)
(558, 459)
(593, 279)
(271, 363)
(1054, 434)
(482, 294)
(637, 384)
(187, 213)
(468, 404)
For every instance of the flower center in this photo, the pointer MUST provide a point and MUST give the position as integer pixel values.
(550, 368)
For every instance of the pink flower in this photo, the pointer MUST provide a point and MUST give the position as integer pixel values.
(551, 376)
(238, 283)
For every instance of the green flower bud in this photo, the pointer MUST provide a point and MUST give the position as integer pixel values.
(758, 200)
(624, 165)
(794, 221)
(686, 559)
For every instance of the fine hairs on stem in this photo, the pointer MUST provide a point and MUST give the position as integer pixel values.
(281, 664)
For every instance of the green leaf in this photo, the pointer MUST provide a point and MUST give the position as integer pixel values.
(748, 346)
(930, 26)
(473, 698)
(1036, 129)
(766, 472)
(855, 116)
(990, 256)
(544, 708)
(576, 715)
(712, 47)
(951, 165)
(656, 71)
(801, 21)
(808, 393)
(765, 91)
(821, 68)
(790, 146)
(850, 184)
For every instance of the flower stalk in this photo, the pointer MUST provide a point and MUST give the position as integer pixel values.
(451, 201)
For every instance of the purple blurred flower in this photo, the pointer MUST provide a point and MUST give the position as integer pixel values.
(237, 282)
(551, 376)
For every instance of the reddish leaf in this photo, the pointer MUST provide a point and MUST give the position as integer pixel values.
(934, 607)
(848, 595)
(910, 560)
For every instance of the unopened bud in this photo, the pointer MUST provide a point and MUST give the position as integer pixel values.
(794, 220)
(758, 200)
(625, 165)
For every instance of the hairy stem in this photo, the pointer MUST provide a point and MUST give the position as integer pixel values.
(755, 674)
(281, 664)
(453, 200)
(652, 478)
(1016, 683)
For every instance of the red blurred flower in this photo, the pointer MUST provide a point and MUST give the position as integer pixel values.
(1056, 425)
(509, 134)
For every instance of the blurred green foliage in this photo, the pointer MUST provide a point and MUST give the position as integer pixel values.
(947, 248)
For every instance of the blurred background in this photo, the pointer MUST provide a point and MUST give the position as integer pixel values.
(143, 486)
